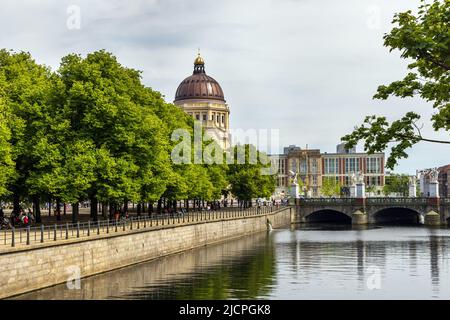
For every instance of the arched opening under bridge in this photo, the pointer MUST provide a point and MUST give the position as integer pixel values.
(329, 216)
(398, 216)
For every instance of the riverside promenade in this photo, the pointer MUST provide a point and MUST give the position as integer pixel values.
(51, 254)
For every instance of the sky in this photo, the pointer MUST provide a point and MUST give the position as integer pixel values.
(307, 68)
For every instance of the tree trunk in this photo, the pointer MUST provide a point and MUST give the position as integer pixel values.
(150, 208)
(37, 209)
(139, 208)
(58, 210)
(159, 205)
(94, 208)
(75, 210)
(104, 210)
(112, 210)
(125, 206)
(65, 209)
(16, 203)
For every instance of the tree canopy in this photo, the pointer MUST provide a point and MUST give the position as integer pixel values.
(396, 183)
(424, 39)
(92, 131)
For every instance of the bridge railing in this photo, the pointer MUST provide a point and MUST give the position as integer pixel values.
(369, 201)
(326, 201)
(400, 200)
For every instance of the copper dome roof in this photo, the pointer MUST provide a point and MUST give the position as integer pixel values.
(199, 85)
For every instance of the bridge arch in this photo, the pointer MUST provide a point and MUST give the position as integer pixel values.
(397, 215)
(328, 215)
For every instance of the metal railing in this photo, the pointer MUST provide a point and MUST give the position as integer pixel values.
(400, 200)
(371, 201)
(326, 201)
(51, 233)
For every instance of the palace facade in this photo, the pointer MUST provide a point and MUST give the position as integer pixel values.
(200, 96)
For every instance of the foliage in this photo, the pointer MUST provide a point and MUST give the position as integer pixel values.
(92, 130)
(396, 183)
(330, 187)
(246, 179)
(423, 38)
(25, 89)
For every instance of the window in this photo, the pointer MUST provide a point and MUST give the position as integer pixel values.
(204, 117)
(314, 166)
(294, 165)
(217, 118)
(197, 116)
(223, 119)
(331, 166)
(351, 165)
(303, 166)
(373, 165)
(281, 166)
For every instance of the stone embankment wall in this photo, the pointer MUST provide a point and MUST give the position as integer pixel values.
(34, 268)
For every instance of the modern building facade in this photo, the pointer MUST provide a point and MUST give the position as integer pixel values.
(202, 97)
(314, 167)
(342, 166)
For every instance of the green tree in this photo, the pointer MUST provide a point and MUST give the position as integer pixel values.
(246, 177)
(111, 113)
(25, 89)
(396, 183)
(423, 38)
(6, 162)
(330, 187)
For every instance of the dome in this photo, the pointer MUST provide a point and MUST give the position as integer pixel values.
(199, 85)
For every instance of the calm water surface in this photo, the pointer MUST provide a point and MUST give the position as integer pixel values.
(308, 262)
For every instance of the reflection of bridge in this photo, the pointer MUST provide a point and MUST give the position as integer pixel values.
(374, 210)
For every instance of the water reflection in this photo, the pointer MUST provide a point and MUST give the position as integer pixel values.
(238, 269)
(307, 262)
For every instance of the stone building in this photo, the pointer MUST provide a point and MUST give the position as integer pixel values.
(444, 181)
(308, 165)
(201, 96)
(313, 167)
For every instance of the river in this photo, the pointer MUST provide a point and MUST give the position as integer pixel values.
(304, 262)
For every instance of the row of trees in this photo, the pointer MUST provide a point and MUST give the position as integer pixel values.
(92, 131)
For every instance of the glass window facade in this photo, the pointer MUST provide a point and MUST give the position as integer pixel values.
(331, 166)
(351, 165)
(373, 165)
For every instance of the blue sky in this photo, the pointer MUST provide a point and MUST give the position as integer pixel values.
(308, 68)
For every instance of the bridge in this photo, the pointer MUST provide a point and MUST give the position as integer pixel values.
(430, 211)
